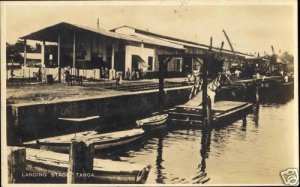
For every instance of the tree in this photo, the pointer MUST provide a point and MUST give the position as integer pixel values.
(288, 58)
(12, 53)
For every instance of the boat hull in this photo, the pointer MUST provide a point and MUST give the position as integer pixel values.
(99, 141)
(275, 91)
(151, 124)
(56, 170)
(154, 127)
(60, 174)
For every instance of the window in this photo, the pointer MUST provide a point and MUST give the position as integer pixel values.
(150, 63)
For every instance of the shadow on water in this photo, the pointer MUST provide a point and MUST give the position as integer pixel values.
(275, 101)
(204, 154)
(244, 124)
(184, 136)
(159, 160)
(256, 108)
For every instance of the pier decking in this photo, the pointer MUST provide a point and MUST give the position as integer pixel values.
(42, 92)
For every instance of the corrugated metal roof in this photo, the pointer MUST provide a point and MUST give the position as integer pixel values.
(49, 32)
(172, 41)
(158, 41)
(179, 41)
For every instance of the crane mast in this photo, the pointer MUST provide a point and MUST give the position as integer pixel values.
(236, 58)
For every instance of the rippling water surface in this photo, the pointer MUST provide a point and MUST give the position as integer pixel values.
(252, 150)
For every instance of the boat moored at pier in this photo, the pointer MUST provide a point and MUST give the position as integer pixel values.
(99, 141)
(222, 112)
(55, 165)
(153, 123)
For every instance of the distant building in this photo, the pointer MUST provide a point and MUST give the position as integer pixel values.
(118, 50)
(33, 59)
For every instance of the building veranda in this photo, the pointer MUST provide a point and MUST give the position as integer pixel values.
(94, 53)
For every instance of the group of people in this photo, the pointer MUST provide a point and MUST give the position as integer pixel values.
(134, 74)
(104, 72)
(129, 75)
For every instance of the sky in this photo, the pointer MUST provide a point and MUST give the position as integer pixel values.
(251, 28)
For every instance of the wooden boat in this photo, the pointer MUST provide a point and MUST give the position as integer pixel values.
(153, 123)
(278, 86)
(55, 166)
(100, 141)
(222, 112)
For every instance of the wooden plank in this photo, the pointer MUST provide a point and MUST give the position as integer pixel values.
(246, 106)
(223, 106)
(185, 114)
(220, 106)
(79, 119)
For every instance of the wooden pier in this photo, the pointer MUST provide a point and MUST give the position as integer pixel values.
(135, 87)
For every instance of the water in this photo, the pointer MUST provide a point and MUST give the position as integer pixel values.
(252, 150)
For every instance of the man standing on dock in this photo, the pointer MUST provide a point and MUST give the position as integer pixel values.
(67, 76)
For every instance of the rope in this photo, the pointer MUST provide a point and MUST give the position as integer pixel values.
(214, 83)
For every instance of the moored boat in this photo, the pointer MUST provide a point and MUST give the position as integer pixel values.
(222, 112)
(99, 141)
(153, 123)
(55, 166)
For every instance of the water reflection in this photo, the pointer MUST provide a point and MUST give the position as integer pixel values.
(159, 160)
(242, 148)
(204, 154)
(256, 107)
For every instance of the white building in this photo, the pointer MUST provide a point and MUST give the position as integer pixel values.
(121, 49)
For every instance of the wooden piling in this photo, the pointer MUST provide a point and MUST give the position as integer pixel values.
(80, 162)
(58, 56)
(257, 93)
(59, 74)
(206, 60)
(16, 163)
(204, 88)
(161, 84)
(208, 114)
(29, 75)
